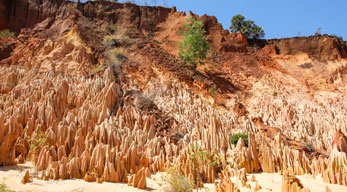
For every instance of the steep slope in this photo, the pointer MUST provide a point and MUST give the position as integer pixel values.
(102, 82)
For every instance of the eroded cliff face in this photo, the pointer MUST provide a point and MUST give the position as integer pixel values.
(113, 104)
(321, 47)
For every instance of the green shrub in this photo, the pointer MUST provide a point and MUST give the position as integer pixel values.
(235, 138)
(341, 42)
(36, 143)
(194, 46)
(7, 34)
(246, 27)
(199, 157)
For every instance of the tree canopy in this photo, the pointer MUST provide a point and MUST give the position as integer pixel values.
(246, 27)
(194, 46)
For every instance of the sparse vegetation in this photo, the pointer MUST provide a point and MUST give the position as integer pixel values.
(235, 138)
(246, 27)
(199, 157)
(6, 33)
(3, 187)
(176, 182)
(115, 51)
(95, 69)
(36, 144)
(125, 38)
(117, 36)
(194, 47)
(342, 167)
(212, 90)
(109, 40)
(118, 51)
(111, 28)
(318, 32)
(341, 41)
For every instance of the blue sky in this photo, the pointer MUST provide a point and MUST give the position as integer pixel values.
(279, 18)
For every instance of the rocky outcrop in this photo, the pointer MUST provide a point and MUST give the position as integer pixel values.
(6, 49)
(291, 184)
(121, 116)
(138, 180)
(26, 13)
(340, 141)
(26, 177)
(321, 47)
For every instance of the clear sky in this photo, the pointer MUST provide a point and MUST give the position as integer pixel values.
(279, 18)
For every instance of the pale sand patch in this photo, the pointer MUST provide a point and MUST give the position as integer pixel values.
(274, 181)
(12, 175)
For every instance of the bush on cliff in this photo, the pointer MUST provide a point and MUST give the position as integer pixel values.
(194, 46)
(246, 27)
(341, 41)
(7, 34)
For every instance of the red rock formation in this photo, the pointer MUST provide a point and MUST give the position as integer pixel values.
(26, 177)
(340, 141)
(103, 115)
(291, 184)
(138, 180)
(317, 47)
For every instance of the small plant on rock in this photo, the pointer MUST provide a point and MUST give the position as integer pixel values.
(36, 144)
(212, 90)
(5, 34)
(235, 138)
(341, 41)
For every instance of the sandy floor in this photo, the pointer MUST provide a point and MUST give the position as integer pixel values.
(11, 176)
(274, 182)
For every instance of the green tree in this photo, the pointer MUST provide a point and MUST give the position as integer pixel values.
(257, 32)
(246, 27)
(193, 48)
(237, 23)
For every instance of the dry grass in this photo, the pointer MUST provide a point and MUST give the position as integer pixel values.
(111, 28)
(115, 54)
(176, 182)
(108, 39)
(117, 51)
(95, 69)
(118, 33)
